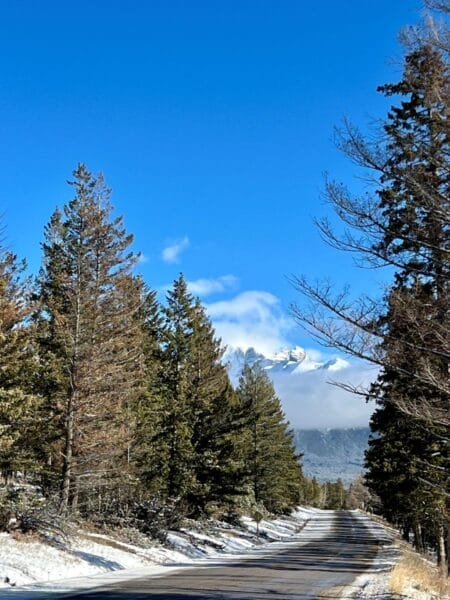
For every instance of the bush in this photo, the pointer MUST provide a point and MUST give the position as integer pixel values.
(155, 517)
(23, 508)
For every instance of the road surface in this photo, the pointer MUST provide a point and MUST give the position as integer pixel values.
(333, 549)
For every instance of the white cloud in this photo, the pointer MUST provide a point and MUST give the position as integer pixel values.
(256, 319)
(251, 319)
(310, 401)
(171, 254)
(205, 287)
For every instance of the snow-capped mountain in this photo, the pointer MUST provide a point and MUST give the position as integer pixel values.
(288, 361)
(302, 381)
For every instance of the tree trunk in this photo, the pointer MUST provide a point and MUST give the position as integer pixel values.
(441, 555)
(68, 455)
(418, 538)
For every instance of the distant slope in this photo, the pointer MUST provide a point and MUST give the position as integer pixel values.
(332, 453)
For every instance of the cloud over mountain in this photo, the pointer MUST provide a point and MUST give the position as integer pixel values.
(302, 381)
(252, 318)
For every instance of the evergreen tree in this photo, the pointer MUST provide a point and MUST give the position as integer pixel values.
(415, 206)
(149, 450)
(335, 495)
(215, 419)
(176, 447)
(273, 471)
(406, 461)
(189, 416)
(313, 493)
(90, 347)
(416, 326)
(22, 428)
(404, 226)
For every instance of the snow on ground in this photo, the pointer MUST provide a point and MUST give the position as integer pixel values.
(87, 560)
(374, 583)
(90, 560)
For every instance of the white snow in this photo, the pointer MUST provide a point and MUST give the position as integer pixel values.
(88, 560)
(91, 560)
(374, 583)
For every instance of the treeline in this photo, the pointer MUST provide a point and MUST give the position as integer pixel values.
(118, 408)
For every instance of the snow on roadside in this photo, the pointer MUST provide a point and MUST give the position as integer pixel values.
(374, 583)
(25, 562)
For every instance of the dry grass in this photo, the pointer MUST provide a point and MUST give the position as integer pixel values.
(29, 536)
(415, 577)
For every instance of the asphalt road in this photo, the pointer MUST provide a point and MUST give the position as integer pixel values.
(333, 549)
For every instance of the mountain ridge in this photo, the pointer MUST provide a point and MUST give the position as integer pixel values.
(333, 453)
(288, 360)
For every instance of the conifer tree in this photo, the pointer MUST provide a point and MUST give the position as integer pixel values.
(406, 461)
(149, 447)
(405, 226)
(88, 347)
(188, 420)
(22, 428)
(176, 447)
(335, 495)
(273, 471)
(215, 418)
(415, 205)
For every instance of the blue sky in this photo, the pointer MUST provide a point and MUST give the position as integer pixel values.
(212, 122)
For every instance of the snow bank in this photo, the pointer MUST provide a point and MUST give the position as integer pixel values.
(74, 562)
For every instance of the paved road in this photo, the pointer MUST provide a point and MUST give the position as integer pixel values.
(332, 550)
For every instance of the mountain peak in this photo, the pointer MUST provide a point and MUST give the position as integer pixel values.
(287, 360)
(296, 354)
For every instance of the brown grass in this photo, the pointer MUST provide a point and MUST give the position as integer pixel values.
(29, 536)
(415, 573)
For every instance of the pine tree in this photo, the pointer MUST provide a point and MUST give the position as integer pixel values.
(406, 460)
(215, 419)
(22, 428)
(335, 495)
(415, 327)
(313, 493)
(415, 206)
(404, 226)
(274, 474)
(177, 416)
(189, 418)
(149, 448)
(87, 341)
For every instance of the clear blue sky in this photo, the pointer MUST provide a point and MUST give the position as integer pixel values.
(212, 122)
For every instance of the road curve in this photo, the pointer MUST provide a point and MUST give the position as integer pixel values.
(332, 550)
